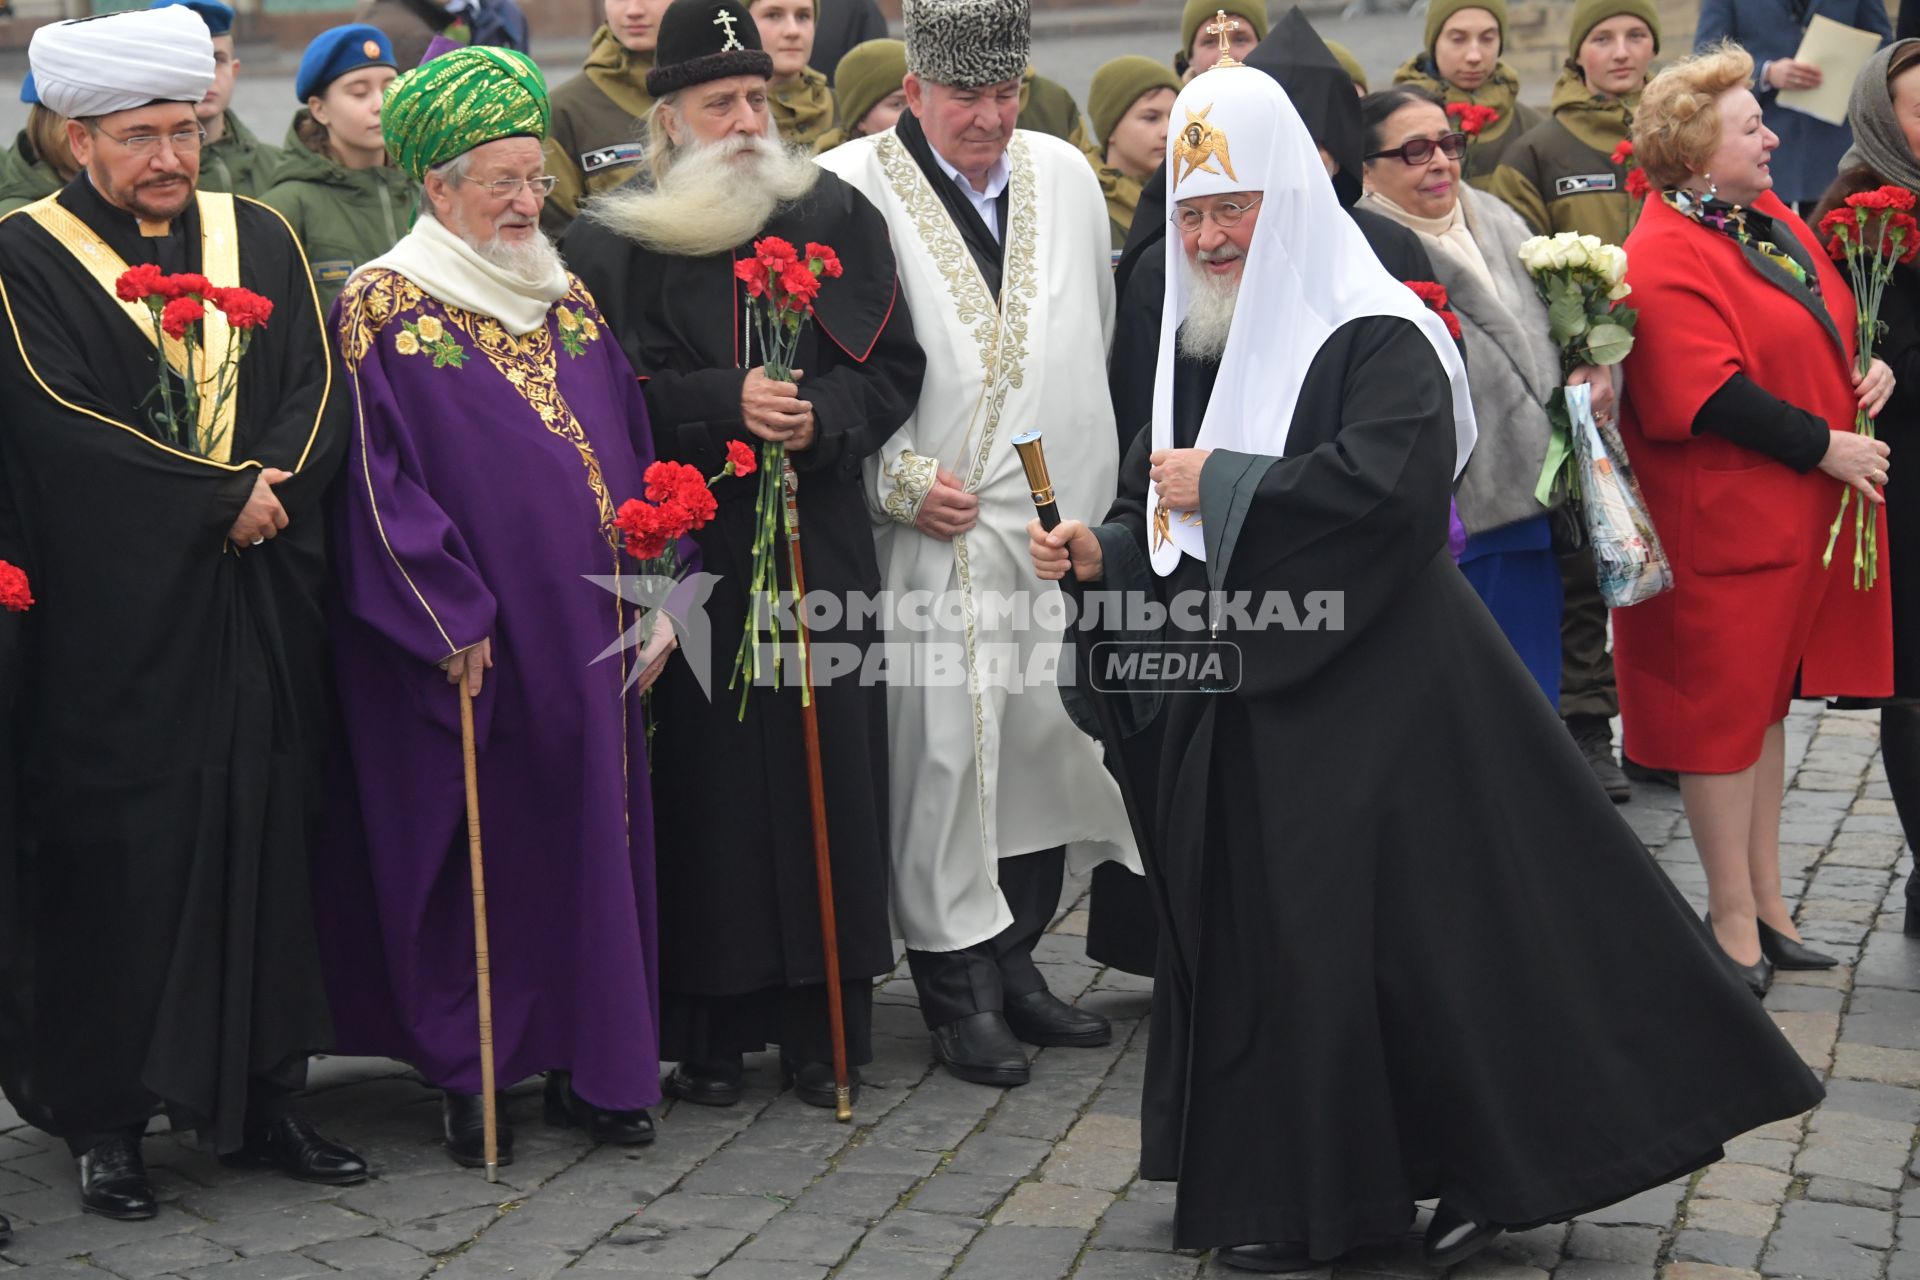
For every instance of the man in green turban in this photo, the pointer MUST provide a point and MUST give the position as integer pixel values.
(497, 429)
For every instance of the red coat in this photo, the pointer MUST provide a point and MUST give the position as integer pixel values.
(1705, 668)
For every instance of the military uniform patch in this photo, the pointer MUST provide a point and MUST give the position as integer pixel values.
(607, 157)
(1575, 184)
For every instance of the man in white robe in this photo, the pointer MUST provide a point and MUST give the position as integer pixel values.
(1002, 240)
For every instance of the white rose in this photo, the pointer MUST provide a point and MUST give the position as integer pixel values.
(1619, 291)
(1533, 253)
(1612, 262)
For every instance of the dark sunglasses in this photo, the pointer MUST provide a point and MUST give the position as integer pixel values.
(1420, 150)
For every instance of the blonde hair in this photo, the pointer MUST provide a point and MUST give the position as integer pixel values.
(47, 135)
(1677, 125)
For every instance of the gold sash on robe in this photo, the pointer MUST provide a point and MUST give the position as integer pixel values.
(219, 263)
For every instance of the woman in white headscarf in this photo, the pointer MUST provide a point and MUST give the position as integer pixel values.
(1394, 892)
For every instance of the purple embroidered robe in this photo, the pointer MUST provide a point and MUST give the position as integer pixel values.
(482, 477)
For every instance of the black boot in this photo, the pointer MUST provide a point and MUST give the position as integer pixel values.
(812, 1082)
(709, 1084)
(1594, 736)
(980, 1047)
(291, 1145)
(1452, 1237)
(463, 1120)
(1270, 1258)
(113, 1181)
(567, 1110)
(1042, 1018)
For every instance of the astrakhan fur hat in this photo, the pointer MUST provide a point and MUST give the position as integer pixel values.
(968, 43)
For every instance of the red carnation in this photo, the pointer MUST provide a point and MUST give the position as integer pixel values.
(186, 283)
(1637, 183)
(742, 459)
(1623, 154)
(640, 523)
(774, 252)
(15, 597)
(137, 284)
(1472, 117)
(752, 273)
(243, 308)
(1434, 295)
(179, 314)
(800, 285)
(824, 260)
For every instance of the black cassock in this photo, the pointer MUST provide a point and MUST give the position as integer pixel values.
(1429, 958)
(156, 933)
(741, 961)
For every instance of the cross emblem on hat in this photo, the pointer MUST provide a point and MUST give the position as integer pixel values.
(726, 20)
(1222, 28)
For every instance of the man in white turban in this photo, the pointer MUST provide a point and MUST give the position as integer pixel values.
(158, 951)
(1394, 968)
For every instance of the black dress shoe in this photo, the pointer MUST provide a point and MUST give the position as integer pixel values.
(568, 1110)
(1758, 976)
(290, 1145)
(113, 1181)
(463, 1119)
(980, 1047)
(1043, 1018)
(812, 1082)
(1637, 772)
(1271, 1258)
(1789, 954)
(709, 1084)
(1452, 1237)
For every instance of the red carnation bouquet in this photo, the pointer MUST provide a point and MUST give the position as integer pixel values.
(15, 595)
(678, 501)
(177, 306)
(1471, 117)
(1434, 295)
(1872, 233)
(1637, 182)
(781, 285)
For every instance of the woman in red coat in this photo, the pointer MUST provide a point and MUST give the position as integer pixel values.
(1738, 418)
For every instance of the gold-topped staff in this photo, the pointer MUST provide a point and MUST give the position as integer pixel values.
(1222, 28)
(1033, 459)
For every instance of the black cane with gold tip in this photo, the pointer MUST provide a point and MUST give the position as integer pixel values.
(1033, 459)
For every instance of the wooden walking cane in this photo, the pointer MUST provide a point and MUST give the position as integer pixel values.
(817, 799)
(482, 963)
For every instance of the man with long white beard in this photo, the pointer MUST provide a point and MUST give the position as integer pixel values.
(1392, 971)
(742, 961)
(1003, 242)
(496, 431)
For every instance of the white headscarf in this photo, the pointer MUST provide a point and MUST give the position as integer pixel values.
(1308, 272)
(119, 61)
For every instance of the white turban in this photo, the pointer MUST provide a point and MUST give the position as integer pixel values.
(119, 61)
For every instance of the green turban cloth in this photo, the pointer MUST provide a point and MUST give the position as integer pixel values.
(463, 99)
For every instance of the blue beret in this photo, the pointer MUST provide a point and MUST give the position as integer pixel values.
(29, 94)
(334, 53)
(217, 16)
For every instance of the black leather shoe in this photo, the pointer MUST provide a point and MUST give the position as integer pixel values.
(463, 1120)
(1594, 735)
(709, 1084)
(6, 1231)
(568, 1110)
(1271, 1258)
(1043, 1018)
(1786, 953)
(113, 1182)
(1912, 925)
(812, 1082)
(1637, 772)
(1452, 1238)
(1757, 976)
(980, 1047)
(290, 1145)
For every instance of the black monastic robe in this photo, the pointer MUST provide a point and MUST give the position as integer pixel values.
(157, 949)
(740, 919)
(1428, 957)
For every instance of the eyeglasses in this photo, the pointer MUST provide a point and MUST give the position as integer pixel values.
(509, 188)
(1420, 150)
(144, 144)
(1225, 214)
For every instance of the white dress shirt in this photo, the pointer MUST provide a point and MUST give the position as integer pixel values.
(985, 203)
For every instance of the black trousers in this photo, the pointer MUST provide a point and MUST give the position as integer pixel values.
(977, 979)
(1586, 666)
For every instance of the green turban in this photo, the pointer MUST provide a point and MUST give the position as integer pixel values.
(462, 99)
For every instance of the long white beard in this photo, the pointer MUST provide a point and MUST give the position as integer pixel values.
(1209, 320)
(714, 197)
(535, 258)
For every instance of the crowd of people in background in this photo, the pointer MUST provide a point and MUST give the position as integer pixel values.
(497, 310)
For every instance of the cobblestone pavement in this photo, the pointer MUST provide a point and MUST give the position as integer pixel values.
(937, 1178)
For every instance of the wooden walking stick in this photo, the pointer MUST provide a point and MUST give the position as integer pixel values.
(817, 799)
(482, 963)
